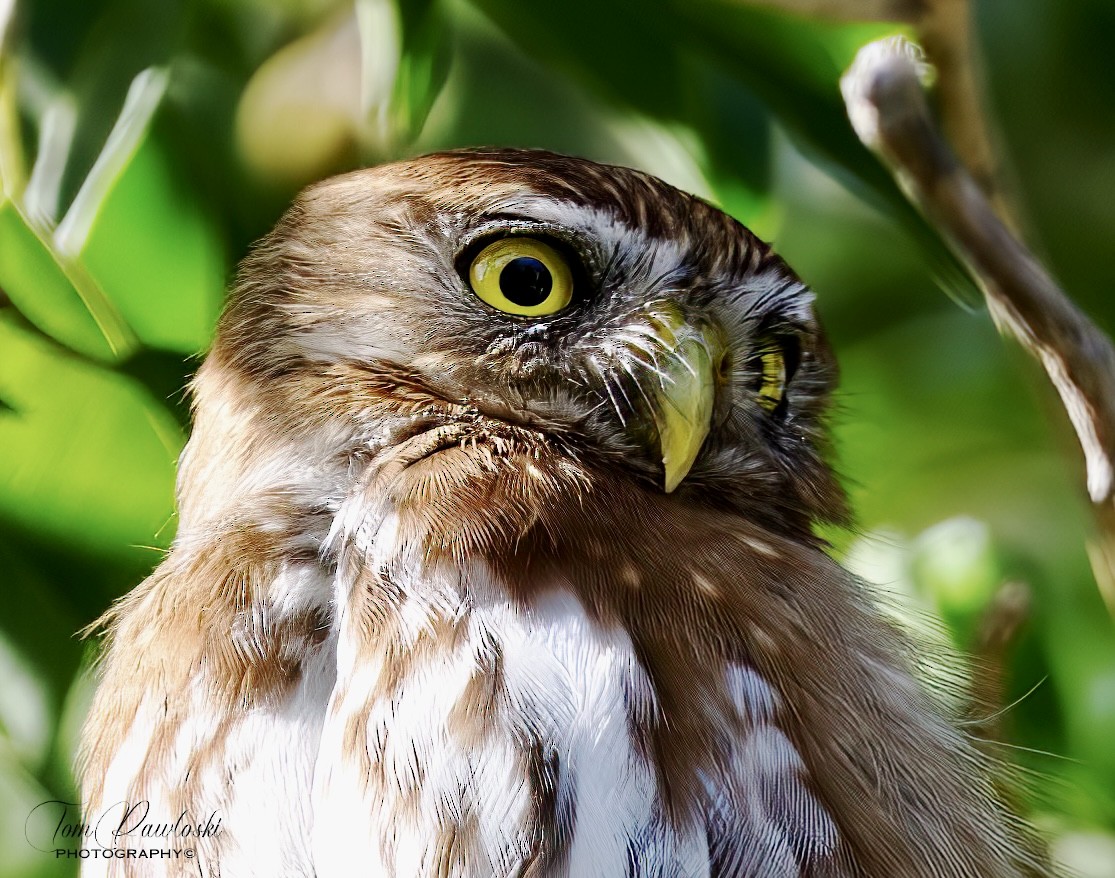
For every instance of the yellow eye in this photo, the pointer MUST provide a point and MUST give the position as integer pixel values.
(522, 276)
(770, 377)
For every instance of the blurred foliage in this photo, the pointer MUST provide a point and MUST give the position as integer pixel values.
(145, 143)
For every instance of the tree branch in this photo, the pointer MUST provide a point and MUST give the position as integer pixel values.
(944, 30)
(888, 111)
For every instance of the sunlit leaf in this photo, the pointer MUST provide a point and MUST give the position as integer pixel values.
(41, 199)
(87, 458)
(143, 98)
(171, 285)
(57, 295)
(73, 285)
(423, 63)
(41, 271)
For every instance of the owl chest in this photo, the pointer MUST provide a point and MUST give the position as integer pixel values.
(513, 740)
(515, 743)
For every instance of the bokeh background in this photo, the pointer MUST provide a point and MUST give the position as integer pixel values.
(145, 143)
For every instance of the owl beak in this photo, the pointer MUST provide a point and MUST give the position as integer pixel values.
(684, 396)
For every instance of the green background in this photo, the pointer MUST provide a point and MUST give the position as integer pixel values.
(115, 252)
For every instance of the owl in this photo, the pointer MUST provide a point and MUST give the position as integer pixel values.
(497, 557)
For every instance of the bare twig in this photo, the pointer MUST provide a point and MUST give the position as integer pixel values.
(889, 113)
(944, 30)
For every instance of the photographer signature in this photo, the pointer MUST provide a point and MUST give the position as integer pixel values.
(59, 823)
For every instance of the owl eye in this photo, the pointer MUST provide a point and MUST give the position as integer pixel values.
(522, 276)
(771, 373)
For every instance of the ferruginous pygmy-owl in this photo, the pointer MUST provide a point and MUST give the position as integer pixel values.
(496, 558)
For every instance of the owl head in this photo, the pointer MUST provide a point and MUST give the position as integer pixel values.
(593, 307)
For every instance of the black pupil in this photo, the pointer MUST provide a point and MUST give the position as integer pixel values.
(526, 281)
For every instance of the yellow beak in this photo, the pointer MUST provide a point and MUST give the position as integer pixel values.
(684, 395)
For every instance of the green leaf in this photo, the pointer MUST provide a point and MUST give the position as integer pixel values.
(88, 457)
(423, 63)
(75, 287)
(169, 287)
(42, 273)
(170, 284)
(57, 295)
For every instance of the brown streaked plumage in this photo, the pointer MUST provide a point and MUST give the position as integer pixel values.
(432, 610)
